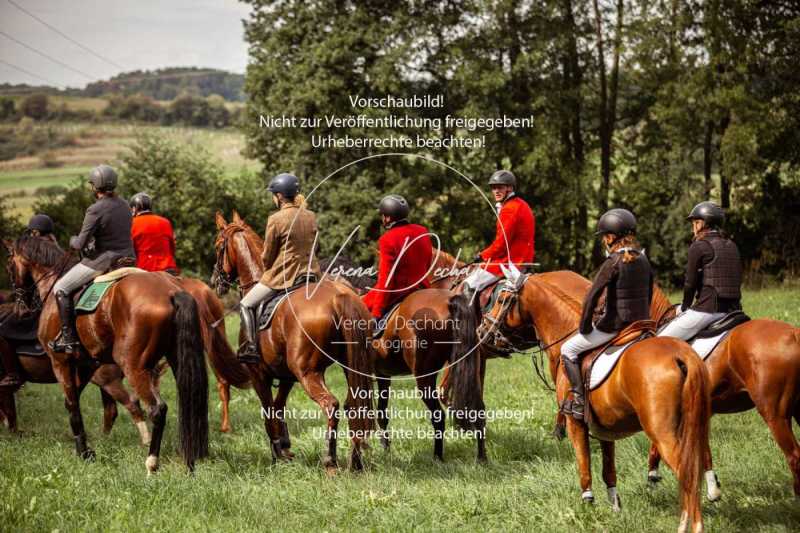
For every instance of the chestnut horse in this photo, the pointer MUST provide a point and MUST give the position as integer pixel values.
(322, 323)
(659, 386)
(141, 317)
(221, 357)
(756, 365)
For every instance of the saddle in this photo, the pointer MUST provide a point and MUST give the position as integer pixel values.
(22, 334)
(89, 297)
(607, 355)
(266, 309)
(709, 338)
(380, 324)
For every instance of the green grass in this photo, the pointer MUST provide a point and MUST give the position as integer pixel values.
(530, 482)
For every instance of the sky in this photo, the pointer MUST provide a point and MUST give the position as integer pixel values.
(134, 34)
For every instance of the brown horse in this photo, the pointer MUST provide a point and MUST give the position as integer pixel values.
(318, 325)
(659, 386)
(142, 317)
(221, 357)
(756, 365)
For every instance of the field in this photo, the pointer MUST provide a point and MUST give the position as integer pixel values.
(22, 177)
(530, 482)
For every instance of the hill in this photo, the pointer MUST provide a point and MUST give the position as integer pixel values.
(168, 83)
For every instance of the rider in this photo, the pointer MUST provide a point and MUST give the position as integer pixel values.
(713, 274)
(38, 226)
(288, 254)
(514, 235)
(152, 236)
(628, 280)
(105, 238)
(404, 257)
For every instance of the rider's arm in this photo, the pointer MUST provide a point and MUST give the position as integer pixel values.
(271, 244)
(699, 253)
(499, 246)
(608, 271)
(90, 221)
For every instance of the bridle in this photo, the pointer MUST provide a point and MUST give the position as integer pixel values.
(24, 294)
(220, 278)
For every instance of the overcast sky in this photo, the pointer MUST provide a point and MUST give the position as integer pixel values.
(136, 34)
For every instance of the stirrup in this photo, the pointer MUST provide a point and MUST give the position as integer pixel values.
(64, 346)
(248, 354)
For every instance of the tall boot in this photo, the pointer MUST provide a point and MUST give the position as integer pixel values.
(67, 341)
(12, 379)
(249, 353)
(573, 371)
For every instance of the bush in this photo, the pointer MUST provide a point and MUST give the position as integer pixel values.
(35, 106)
(7, 110)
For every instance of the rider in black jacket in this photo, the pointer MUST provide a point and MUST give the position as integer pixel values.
(627, 278)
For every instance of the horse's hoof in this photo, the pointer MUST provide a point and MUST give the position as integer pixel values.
(559, 432)
(587, 496)
(286, 455)
(712, 487)
(331, 470)
(151, 464)
(386, 444)
(653, 477)
(613, 497)
(225, 429)
(88, 455)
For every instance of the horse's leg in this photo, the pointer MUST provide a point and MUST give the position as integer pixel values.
(69, 377)
(781, 429)
(610, 473)
(427, 386)
(384, 389)
(8, 410)
(314, 384)
(284, 388)
(109, 411)
(144, 384)
(579, 436)
(262, 383)
(224, 391)
(653, 461)
(116, 390)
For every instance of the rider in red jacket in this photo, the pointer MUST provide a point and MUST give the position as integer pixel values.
(514, 237)
(152, 236)
(405, 254)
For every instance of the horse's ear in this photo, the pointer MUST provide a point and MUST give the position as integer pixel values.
(236, 218)
(9, 246)
(220, 220)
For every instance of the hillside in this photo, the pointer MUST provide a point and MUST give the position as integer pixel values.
(168, 83)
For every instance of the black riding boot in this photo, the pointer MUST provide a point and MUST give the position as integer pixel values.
(67, 341)
(573, 371)
(248, 352)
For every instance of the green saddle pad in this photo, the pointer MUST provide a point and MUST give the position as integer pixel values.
(92, 296)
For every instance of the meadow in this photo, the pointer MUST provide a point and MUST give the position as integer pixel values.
(530, 482)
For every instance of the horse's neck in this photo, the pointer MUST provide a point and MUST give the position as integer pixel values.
(660, 304)
(248, 262)
(46, 278)
(553, 318)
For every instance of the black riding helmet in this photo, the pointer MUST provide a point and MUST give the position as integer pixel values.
(141, 201)
(618, 221)
(286, 184)
(503, 177)
(709, 212)
(394, 206)
(41, 223)
(104, 178)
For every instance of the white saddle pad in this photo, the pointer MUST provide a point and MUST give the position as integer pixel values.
(605, 363)
(119, 273)
(704, 347)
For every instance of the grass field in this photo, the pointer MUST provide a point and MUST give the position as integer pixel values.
(530, 482)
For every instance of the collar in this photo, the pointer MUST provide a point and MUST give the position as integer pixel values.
(397, 223)
(140, 213)
(511, 195)
(288, 205)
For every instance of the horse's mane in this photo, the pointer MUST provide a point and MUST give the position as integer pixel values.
(43, 252)
(445, 260)
(343, 264)
(570, 301)
(660, 304)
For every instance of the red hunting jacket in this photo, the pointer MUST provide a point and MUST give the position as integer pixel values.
(519, 223)
(412, 266)
(154, 242)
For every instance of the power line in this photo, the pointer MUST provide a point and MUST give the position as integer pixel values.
(51, 58)
(67, 37)
(29, 73)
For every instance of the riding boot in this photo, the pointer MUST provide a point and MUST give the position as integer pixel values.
(573, 371)
(248, 352)
(67, 341)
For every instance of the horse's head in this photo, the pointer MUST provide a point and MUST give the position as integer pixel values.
(19, 272)
(32, 257)
(229, 251)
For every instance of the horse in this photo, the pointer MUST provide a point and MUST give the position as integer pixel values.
(141, 318)
(659, 386)
(756, 365)
(323, 323)
(445, 342)
(221, 357)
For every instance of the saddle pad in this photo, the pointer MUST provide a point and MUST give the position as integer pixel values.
(30, 349)
(119, 273)
(704, 346)
(605, 363)
(267, 310)
(92, 296)
(380, 324)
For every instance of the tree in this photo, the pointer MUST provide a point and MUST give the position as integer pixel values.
(35, 106)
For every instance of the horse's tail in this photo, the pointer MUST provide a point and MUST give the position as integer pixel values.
(464, 388)
(191, 379)
(696, 410)
(358, 406)
(220, 354)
